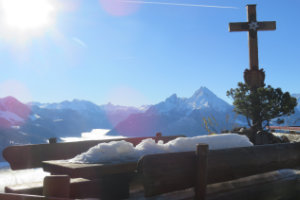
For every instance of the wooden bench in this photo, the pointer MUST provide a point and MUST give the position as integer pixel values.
(165, 173)
(32, 156)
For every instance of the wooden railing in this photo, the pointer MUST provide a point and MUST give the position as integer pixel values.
(289, 129)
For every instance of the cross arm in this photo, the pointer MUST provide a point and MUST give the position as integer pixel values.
(238, 26)
(267, 26)
(244, 26)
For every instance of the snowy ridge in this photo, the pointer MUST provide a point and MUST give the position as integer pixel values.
(203, 98)
(83, 105)
(78, 105)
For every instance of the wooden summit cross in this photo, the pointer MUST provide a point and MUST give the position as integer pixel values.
(253, 77)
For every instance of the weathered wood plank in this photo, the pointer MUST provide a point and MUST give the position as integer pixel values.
(267, 26)
(169, 172)
(201, 171)
(79, 188)
(31, 156)
(57, 186)
(238, 26)
(244, 26)
(89, 171)
(281, 184)
(266, 186)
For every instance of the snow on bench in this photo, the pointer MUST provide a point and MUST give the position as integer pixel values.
(122, 151)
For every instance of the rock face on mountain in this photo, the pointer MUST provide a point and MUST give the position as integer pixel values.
(177, 115)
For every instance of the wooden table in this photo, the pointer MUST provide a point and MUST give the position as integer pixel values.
(115, 178)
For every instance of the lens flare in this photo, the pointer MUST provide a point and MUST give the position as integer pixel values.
(139, 125)
(118, 7)
(26, 15)
(21, 21)
(125, 96)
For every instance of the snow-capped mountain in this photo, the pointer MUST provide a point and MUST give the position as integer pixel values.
(71, 118)
(103, 116)
(178, 115)
(36, 122)
(68, 118)
(203, 98)
(87, 106)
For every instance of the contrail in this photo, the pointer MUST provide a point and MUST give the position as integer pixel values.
(177, 4)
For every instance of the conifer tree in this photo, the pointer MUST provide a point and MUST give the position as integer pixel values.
(262, 104)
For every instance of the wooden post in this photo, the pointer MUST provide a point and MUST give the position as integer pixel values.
(201, 172)
(52, 140)
(57, 186)
(158, 136)
(116, 186)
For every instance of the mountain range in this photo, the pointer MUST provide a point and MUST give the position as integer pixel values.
(178, 115)
(36, 122)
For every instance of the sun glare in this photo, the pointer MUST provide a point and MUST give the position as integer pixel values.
(27, 15)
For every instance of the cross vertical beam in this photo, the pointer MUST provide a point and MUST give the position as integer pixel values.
(252, 35)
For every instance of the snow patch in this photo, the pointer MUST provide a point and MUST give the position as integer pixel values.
(58, 120)
(120, 151)
(34, 117)
(15, 127)
(11, 117)
(10, 177)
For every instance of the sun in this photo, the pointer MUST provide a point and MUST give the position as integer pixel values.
(27, 15)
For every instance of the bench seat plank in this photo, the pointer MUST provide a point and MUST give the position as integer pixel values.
(79, 188)
(27, 197)
(90, 171)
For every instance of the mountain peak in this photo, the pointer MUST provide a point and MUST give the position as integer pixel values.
(172, 98)
(202, 91)
(9, 99)
(204, 98)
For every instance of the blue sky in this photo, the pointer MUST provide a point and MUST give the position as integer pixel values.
(146, 53)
